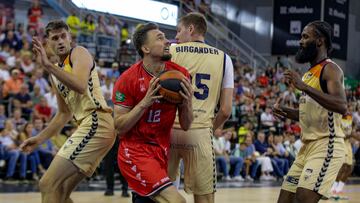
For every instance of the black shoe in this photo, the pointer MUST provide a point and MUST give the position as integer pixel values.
(109, 193)
(125, 194)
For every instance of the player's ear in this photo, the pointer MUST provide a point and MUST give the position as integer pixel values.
(68, 35)
(145, 49)
(191, 28)
(319, 42)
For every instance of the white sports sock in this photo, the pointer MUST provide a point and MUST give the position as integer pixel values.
(177, 182)
(340, 187)
(333, 188)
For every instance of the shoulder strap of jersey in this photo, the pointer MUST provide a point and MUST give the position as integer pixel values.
(323, 83)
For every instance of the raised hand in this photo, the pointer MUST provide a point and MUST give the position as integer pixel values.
(294, 79)
(40, 52)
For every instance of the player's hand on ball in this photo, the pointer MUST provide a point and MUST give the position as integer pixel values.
(151, 95)
(30, 144)
(186, 92)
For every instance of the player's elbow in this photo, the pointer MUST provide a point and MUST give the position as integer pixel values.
(81, 88)
(342, 109)
(121, 128)
(225, 111)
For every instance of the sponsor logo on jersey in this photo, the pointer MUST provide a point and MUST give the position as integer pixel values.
(119, 97)
(308, 173)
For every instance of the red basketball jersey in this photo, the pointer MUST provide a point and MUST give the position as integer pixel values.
(156, 123)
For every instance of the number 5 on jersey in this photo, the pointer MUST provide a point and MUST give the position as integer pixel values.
(199, 78)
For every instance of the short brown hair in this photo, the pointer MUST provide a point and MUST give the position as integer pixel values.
(140, 36)
(55, 25)
(197, 20)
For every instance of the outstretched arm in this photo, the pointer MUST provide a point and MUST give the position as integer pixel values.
(63, 115)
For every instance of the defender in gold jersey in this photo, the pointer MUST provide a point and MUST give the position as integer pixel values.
(79, 96)
(347, 126)
(213, 82)
(321, 107)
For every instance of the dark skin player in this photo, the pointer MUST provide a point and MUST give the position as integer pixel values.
(313, 49)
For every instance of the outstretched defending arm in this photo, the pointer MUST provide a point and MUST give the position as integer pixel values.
(63, 115)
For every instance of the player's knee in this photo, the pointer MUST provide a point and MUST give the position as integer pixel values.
(44, 184)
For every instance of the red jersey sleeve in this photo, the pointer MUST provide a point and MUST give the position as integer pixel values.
(122, 94)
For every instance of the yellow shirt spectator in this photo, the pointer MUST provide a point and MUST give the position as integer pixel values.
(74, 24)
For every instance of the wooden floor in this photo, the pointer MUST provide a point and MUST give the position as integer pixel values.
(246, 195)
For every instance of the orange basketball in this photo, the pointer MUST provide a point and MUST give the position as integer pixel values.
(170, 86)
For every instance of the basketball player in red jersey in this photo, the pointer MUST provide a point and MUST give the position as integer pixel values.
(144, 121)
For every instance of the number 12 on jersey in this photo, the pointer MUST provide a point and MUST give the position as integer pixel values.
(154, 116)
(199, 77)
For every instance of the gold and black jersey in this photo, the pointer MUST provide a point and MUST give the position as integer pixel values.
(81, 105)
(317, 122)
(206, 66)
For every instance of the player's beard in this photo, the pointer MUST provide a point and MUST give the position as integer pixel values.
(166, 57)
(306, 54)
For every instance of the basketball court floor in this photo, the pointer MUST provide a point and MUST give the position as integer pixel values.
(93, 192)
